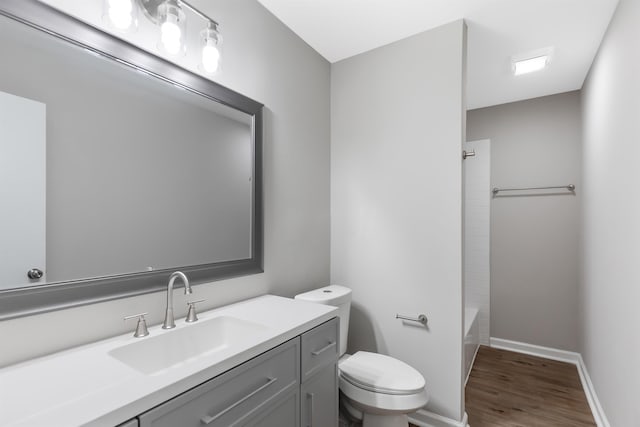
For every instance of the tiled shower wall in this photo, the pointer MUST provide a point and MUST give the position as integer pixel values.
(477, 218)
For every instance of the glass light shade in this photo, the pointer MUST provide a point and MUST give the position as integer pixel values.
(172, 27)
(121, 15)
(211, 44)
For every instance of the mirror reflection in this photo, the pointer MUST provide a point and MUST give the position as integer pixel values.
(107, 171)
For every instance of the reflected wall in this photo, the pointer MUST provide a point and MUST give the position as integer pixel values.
(141, 175)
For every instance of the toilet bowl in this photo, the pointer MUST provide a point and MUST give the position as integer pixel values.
(379, 390)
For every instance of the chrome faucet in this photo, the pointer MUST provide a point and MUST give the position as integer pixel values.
(169, 322)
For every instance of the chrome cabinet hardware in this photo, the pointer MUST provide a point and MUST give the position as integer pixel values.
(323, 349)
(420, 319)
(466, 154)
(192, 316)
(141, 327)
(208, 419)
(310, 397)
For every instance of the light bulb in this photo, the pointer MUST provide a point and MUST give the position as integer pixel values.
(210, 58)
(211, 41)
(171, 36)
(121, 13)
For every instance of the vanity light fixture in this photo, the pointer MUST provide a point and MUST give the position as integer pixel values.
(170, 18)
(530, 65)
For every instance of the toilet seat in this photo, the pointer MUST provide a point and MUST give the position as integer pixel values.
(381, 374)
(380, 384)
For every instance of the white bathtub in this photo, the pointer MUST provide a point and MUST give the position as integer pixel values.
(471, 339)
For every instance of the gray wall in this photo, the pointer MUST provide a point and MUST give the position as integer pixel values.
(534, 238)
(610, 274)
(263, 60)
(396, 202)
(139, 172)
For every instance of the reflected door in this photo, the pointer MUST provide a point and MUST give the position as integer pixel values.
(22, 190)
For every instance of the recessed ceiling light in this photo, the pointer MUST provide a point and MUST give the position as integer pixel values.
(530, 65)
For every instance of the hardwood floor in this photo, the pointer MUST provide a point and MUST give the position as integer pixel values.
(515, 390)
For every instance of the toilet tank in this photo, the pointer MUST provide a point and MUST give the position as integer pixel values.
(337, 296)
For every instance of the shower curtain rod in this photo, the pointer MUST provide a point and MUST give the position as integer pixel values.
(569, 187)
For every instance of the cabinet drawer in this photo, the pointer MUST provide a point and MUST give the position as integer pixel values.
(234, 397)
(320, 347)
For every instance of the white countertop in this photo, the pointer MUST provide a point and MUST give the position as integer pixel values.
(87, 386)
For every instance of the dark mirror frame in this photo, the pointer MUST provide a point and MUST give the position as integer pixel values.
(49, 297)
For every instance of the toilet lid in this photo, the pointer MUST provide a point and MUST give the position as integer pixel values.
(381, 374)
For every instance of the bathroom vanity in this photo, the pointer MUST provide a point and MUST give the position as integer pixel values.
(296, 378)
(268, 361)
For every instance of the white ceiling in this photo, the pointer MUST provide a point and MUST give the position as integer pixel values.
(498, 29)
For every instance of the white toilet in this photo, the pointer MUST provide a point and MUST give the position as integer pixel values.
(377, 389)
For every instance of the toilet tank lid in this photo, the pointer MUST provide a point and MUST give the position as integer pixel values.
(329, 295)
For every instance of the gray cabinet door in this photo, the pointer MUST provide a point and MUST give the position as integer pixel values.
(233, 398)
(284, 413)
(320, 398)
(130, 423)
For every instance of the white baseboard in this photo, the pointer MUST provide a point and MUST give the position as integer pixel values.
(561, 356)
(535, 350)
(424, 418)
(592, 397)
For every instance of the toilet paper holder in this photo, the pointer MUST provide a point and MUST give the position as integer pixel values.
(420, 319)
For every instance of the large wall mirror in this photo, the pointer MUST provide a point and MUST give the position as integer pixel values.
(116, 168)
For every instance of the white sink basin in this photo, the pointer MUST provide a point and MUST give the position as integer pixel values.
(173, 348)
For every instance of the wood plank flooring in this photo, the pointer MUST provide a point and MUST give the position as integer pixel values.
(515, 390)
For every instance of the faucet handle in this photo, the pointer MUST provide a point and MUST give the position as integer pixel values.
(191, 315)
(141, 327)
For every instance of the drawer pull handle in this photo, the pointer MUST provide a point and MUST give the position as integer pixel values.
(208, 420)
(323, 349)
(310, 397)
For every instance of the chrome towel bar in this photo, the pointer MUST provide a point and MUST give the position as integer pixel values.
(569, 187)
